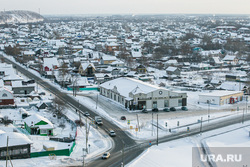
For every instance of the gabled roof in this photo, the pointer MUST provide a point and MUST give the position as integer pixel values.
(35, 118)
(85, 65)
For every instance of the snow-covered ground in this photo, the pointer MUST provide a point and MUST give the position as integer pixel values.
(178, 153)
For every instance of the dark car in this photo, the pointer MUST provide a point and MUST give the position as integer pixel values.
(144, 111)
(155, 110)
(123, 118)
(172, 109)
(166, 109)
(184, 108)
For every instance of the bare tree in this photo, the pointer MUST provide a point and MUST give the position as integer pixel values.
(58, 107)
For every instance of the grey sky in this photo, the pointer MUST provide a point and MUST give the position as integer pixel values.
(129, 6)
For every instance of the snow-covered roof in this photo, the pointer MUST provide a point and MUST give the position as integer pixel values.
(217, 60)
(233, 86)
(35, 118)
(85, 65)
(125, 85)
(172, 69)
(14, 139)
(108, 57)
(229, 58)
(50, 62)
(219, 93)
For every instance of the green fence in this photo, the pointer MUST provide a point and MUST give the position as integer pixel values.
(85, 89)
(64, 152)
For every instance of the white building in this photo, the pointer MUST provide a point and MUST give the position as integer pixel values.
(135, 94)
(221, 97)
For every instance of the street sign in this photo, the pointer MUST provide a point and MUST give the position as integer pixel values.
(151, 143)
(188, 129)
(128, 122)
(136, 129)
(131, 127)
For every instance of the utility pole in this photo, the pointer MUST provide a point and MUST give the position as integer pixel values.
(7, 151)
(246, 102)
(157, 131)
(96, 101)
(138, 122)
(152, 125)
(208, 111)
(86, 134)
(122, 154)
(243, 116)
(201, 125)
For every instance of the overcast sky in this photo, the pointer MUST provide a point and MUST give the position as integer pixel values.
(129, 6)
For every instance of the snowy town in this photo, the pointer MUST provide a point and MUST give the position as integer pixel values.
(118, 90)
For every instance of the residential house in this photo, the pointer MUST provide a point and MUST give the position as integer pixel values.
(230, 59)
(173, 71)
(18, 145)
(50, 64)
(141, 69)
(6, 97)
(87, 69)
(38, 125)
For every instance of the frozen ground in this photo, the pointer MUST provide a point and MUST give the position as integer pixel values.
(178, 153)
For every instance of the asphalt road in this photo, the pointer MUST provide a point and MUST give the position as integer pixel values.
(122, 141)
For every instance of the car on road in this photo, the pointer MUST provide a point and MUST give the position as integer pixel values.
(86, 114)
(112, 133)
(123, 118)
(106, 155)
(166, 109)
(172, 109)
(155, 110)
(184, 108)
(144, 111)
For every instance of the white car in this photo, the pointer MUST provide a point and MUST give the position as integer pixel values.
(106, 155)
(112, 133)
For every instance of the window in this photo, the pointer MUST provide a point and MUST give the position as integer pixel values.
(166, 103)
(4, 95)
(43, 131)
(180, 102)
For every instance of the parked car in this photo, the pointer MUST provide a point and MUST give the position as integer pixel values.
(144, 111)
(123, 118)
(86, 114)
(106, 155)
(155, 110)
(184, 108)
(172, 109)
(166, 109)
(112, 133)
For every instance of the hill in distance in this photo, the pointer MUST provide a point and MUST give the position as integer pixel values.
(20, 16)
